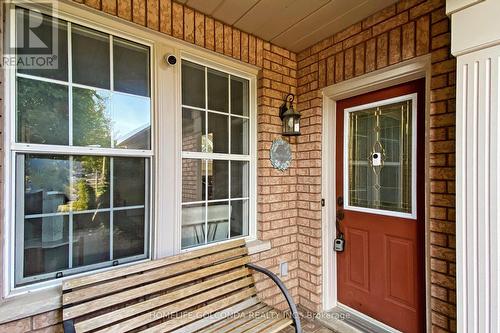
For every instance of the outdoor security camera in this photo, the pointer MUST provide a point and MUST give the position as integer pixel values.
(171, 59)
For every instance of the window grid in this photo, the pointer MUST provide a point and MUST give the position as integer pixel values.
(205, 156)
(19, 149)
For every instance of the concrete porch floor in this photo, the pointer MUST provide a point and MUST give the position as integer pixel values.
(309, 325)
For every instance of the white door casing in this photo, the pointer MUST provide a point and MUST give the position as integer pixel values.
(393, 75)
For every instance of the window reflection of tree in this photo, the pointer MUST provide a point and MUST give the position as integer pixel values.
(91, 187)
(92, 122)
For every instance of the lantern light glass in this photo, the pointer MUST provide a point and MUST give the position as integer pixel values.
(289, 117)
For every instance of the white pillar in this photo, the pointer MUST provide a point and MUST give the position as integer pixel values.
(476, 44)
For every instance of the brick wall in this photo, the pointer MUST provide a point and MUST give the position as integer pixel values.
(400, 32)
(277, 196)
(289, 212)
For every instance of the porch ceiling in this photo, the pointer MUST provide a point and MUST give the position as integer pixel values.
(292, 24)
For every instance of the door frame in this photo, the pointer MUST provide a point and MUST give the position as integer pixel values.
(403, 72)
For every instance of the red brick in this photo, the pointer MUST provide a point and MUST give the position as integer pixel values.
(251, 49)
(339, 67)
(139, 12)
(244, 46)
(109, 6)
(440, 27)
(346, 33)
(166, 16)
(349, 63)
(408, 47)
(47, 319)
(356, 39)
(219, 36)
(390, 24)
(371, 54)
(209, 33)
(395, 46)
(330, 67)
(441, 54)
(228, 40)
(426, 7)
(359, 65)
(442, 94)
(177, 20)
(322, 73)
(199, 30)
(423, 35)
(259, 53)
(382, 49)
(441, 41)
(379, 16)
(125, 9)
(93, 3)
(18, 326)
(188, 25)
(153, 14)
(407, 4)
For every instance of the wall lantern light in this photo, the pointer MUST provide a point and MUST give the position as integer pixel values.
(289, 117)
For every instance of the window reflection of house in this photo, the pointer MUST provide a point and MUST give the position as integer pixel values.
(136, 139)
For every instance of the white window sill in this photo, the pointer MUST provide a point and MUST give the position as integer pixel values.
(257, 246)
(30, 304)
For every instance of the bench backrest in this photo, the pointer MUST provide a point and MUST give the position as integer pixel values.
(154, 294)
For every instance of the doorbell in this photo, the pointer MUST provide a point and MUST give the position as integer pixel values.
(376, 159)
(171, 59)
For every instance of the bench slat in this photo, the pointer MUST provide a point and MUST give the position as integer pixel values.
(230, 323)
(223, 316)
(133, 269)
(210, 290)
(279, 326)
(157, 274)
(253, 321)
(147, 311)
(242, 321)
(199, 313)
(124, 296)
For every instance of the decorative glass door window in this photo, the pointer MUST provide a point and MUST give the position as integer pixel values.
(82, 156)
(215, 155)
(379, 163)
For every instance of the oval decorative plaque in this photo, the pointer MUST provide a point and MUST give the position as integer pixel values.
(280, 154)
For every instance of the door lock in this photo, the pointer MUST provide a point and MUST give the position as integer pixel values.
(340, 201)
(340, 215)
(339, 243)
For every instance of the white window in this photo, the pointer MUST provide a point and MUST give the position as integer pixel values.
(81, 155)
(217, 162)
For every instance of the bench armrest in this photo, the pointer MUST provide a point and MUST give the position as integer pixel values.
(288, 297)
(69, 326)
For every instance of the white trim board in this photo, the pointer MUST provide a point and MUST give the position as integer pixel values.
(407, 71)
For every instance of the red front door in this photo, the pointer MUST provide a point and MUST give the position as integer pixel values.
(380, 188)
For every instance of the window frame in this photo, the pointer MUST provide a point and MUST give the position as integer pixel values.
(345, 163)
(166, 140)
(251, 157)
(13, 149)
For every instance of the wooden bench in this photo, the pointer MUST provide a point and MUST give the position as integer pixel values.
(206, 290)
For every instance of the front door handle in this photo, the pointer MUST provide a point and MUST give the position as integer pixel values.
(340, 201)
